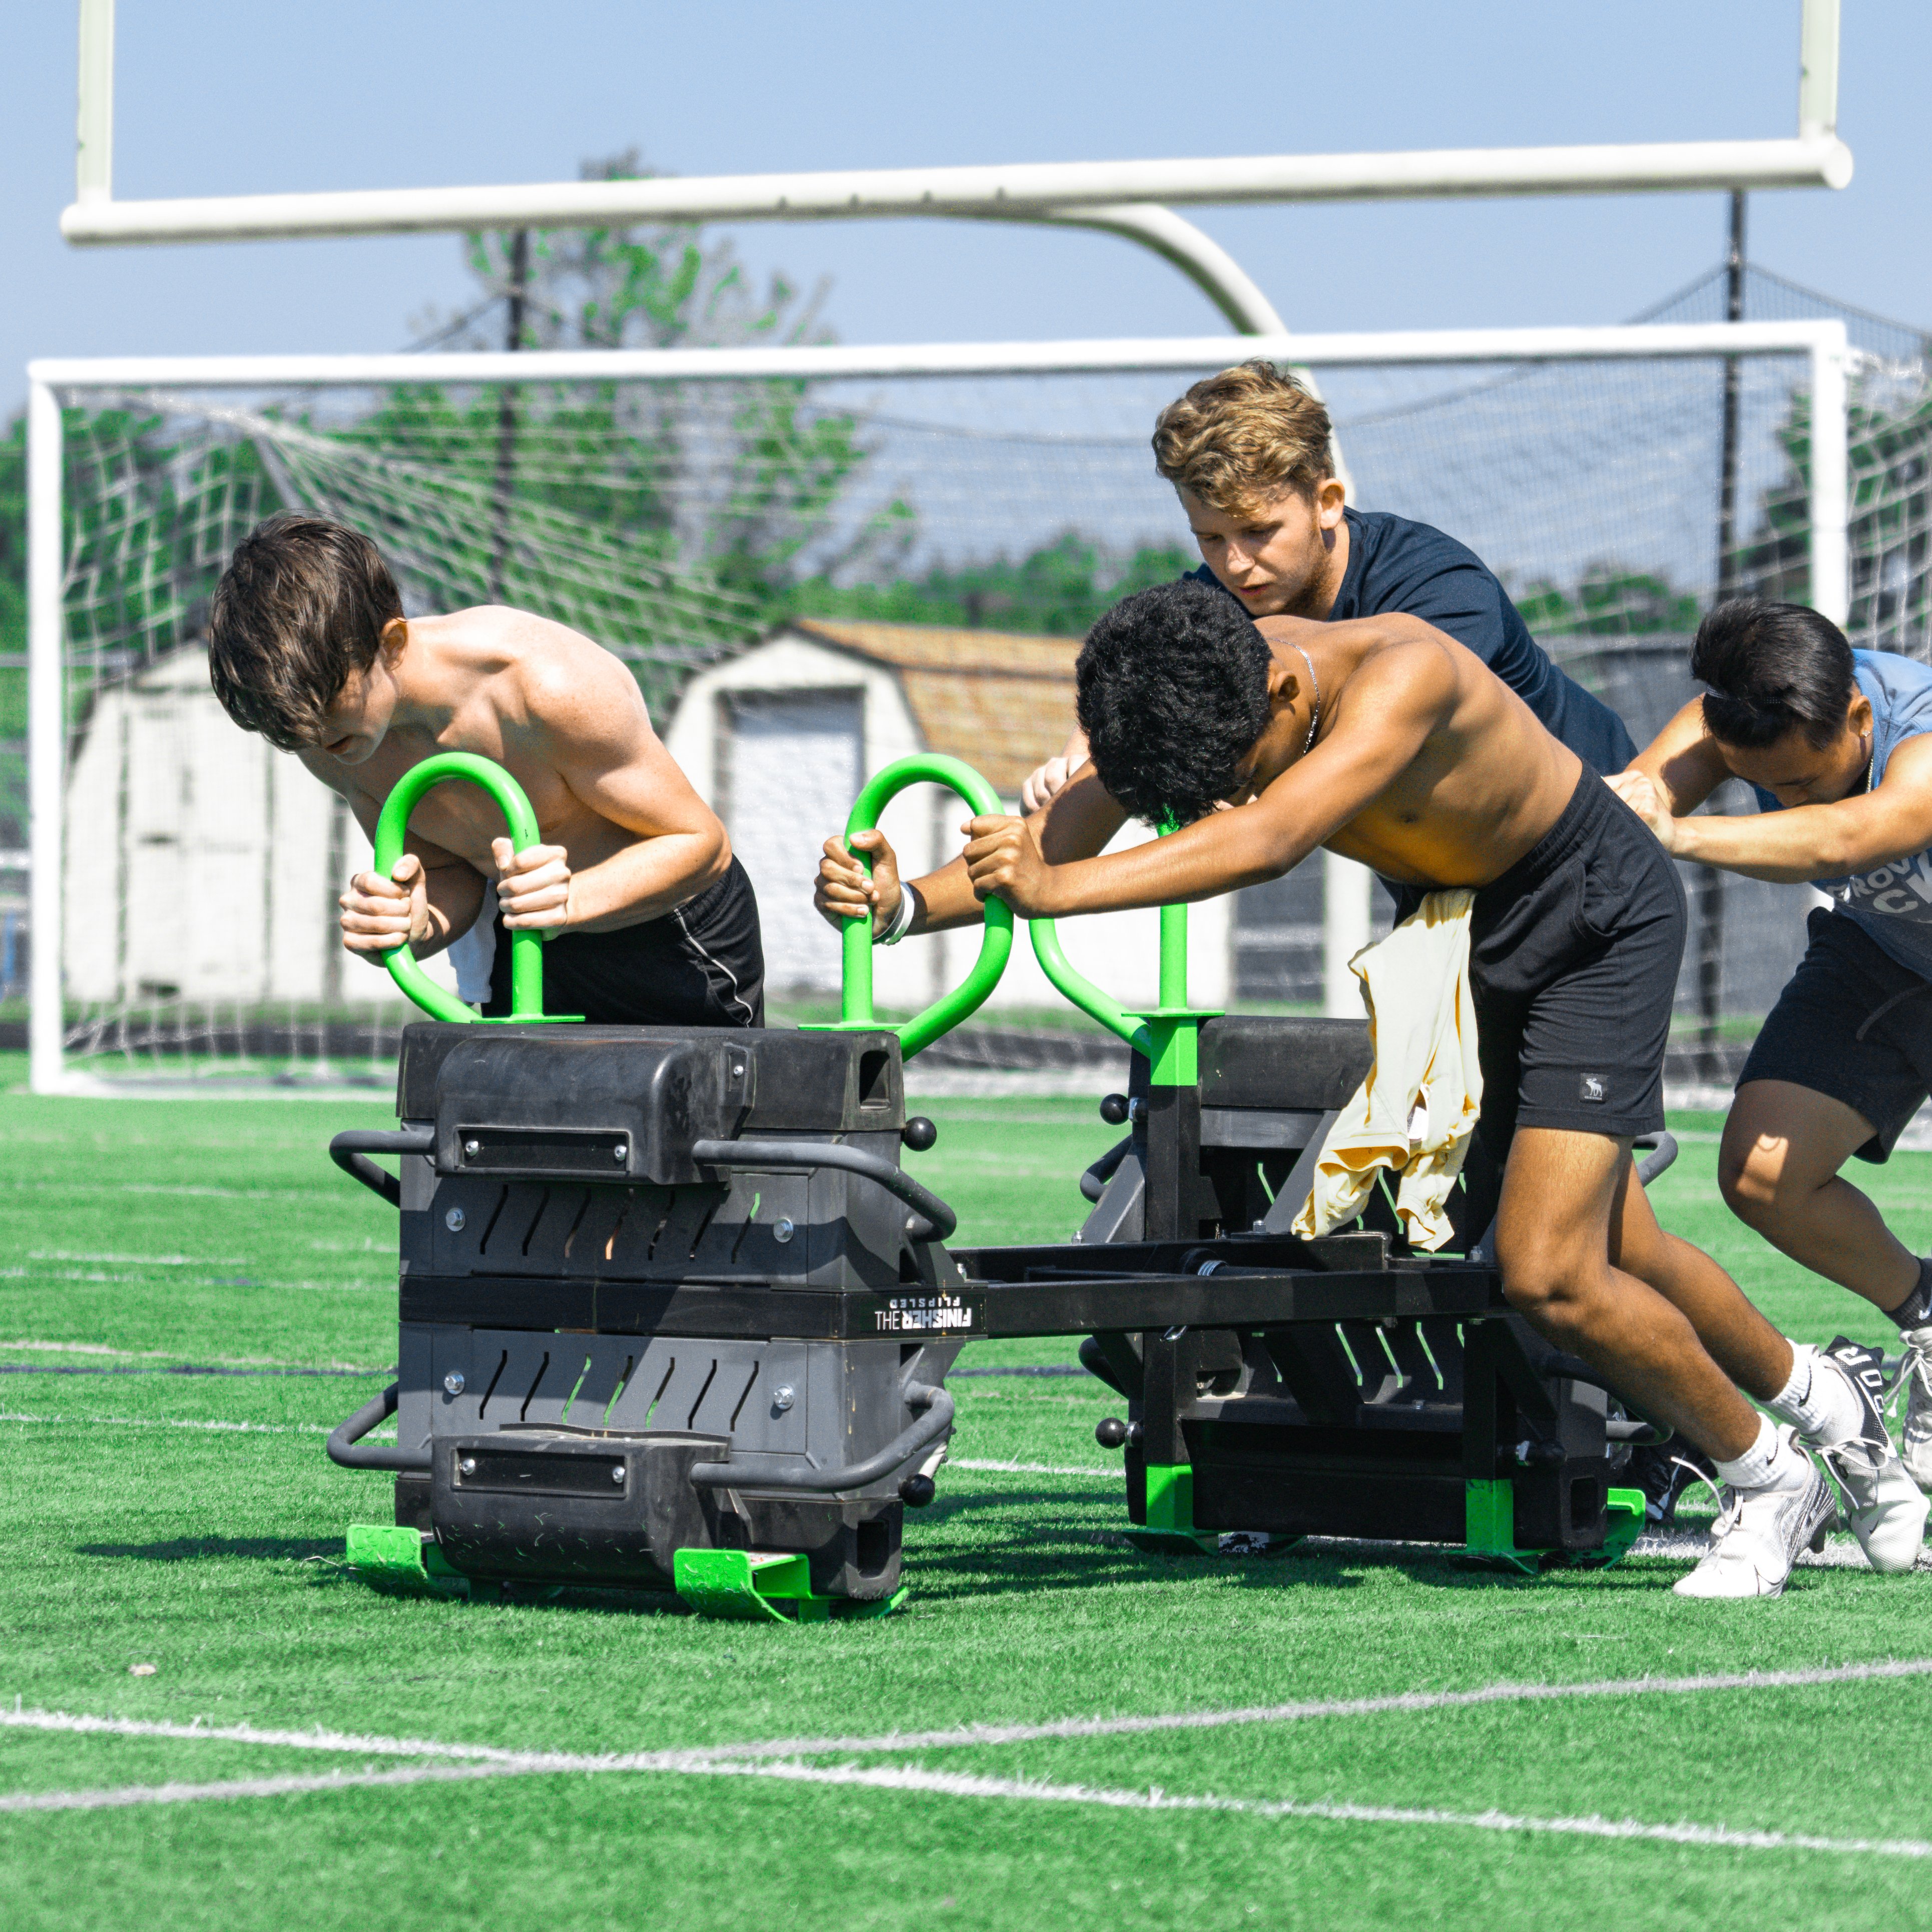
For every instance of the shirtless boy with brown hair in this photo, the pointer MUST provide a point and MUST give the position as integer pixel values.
(1386, 741)
(651, 919)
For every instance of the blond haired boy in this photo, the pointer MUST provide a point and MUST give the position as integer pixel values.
(1249, 454)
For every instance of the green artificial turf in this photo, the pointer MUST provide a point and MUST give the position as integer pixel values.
(190, 1522)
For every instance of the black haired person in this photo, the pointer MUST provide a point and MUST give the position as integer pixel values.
(1838, 745)
(1385, 740)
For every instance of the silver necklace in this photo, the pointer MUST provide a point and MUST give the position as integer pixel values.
(1315, 710)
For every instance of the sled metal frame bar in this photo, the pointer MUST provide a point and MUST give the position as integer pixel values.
(1824, 343)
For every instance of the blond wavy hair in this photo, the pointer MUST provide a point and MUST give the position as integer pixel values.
(1242, 439)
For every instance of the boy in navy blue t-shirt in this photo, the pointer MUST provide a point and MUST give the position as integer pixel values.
(1248, 452)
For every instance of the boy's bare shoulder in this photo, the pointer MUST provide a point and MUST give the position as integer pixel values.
(541, 667)
(560, 680)
(1411, 669)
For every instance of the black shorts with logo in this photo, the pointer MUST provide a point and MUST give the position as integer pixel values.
(1853, 1024)
(1573, 956)
(701, 963)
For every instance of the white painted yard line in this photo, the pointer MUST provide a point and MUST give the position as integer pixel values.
(956, 1784)
(83, 1723)
(1840, 1552)
(912, 1777)
(174, 1355)
(117, 1797)
(142, 1260)
(966, 1735)
(1031, 1469)
(176, 1422)
(318, 1738)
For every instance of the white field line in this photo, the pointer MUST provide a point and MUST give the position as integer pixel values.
(957, 1784)
(1841, 1551)
(176, 1354)
(965, 1736)
(142, 1260)
(1031, 1469)
(912, 1777)
(177, 1422)
(114, 1798)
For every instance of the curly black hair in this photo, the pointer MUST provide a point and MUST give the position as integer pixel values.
(1172, 693)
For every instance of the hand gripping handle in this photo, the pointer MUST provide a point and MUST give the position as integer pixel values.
(525, 945)
(966, 998)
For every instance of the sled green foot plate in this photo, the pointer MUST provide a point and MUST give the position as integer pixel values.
(1490, 1529)
(761, 1586)
(1169, 1528)
(394, 1557)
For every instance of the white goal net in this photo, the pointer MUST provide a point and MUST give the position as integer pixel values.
(842, 556)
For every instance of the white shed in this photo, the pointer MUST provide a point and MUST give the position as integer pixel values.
(780, 739)
(200, 863)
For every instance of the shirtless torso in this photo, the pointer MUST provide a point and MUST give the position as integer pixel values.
(1424, 766)
(1386, 741)
(626, 839)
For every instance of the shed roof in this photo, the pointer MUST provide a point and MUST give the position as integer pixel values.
(1001, 701)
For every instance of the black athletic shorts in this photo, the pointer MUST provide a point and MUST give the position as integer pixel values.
(699, 964)
(1853, 1024)
(1573, 955)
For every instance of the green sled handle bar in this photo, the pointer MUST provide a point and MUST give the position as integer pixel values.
(525, 945)
(965, 999)
(996, 946)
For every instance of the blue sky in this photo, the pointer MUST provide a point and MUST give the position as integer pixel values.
(224, 98)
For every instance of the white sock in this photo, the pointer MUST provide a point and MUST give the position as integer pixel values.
(1771, 1462)
(1816, 1402)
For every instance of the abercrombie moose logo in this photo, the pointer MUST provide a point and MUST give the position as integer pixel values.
(1593, 1087)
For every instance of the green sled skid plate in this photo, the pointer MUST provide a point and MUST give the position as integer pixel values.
(740, 1584)
(755, 1586)
(1169, 1529)
(393, 1557)
(1490, 1509)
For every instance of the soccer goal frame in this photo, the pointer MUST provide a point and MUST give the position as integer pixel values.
(1824, 343)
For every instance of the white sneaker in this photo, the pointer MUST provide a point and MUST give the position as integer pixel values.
(1757, 1537)
(1886, 1508)
(1916, 1375)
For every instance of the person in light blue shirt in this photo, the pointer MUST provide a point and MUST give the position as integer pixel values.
(1838, 745)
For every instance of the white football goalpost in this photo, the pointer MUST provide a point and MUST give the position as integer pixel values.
(1130, 200)
(1819, 349)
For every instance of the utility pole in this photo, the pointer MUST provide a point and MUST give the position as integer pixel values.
(1710, 880)
(1727, 479)
(506, 413)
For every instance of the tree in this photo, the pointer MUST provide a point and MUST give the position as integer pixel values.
(732, 480)
(1058, 590)
(1609, 600)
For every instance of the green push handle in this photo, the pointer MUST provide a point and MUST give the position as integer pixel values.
(966, 998)
(1132, 1028)
(525, 945)
(1082, 991)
